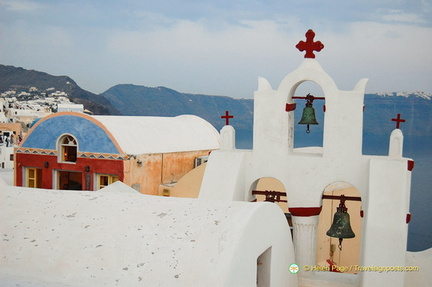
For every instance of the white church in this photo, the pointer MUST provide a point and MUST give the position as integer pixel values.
(119, 237)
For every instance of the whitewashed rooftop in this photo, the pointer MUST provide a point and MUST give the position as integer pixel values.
(143, 135)
(119, 237)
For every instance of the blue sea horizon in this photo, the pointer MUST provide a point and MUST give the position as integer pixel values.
(415, 147)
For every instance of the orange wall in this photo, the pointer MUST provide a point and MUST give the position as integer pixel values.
(176, 165)
(156, 169)
(143, 172)
(15, 127)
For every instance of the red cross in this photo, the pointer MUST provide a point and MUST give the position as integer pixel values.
(398, 120)
(309, 46)
(227, 117)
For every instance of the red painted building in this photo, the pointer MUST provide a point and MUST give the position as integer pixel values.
(76, 151)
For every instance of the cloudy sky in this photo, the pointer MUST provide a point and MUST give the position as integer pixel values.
(219, 47)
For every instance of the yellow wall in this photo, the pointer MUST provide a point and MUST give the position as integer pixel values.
(189, 185)
(270, 183)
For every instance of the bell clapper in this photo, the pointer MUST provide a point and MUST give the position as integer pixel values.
(340, 244)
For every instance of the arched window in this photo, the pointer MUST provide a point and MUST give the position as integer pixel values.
(68, 149)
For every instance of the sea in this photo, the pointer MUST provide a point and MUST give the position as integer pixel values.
(415, 147)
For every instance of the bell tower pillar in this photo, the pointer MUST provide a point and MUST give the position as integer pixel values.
(305, 223)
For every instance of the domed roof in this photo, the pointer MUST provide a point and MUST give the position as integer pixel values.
(124, 134)
(143, 135)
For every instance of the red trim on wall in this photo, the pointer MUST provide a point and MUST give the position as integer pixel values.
(408, 218)
(290, 107)
(304, 98)
(305, 211)
(97, 166)
(410, 165)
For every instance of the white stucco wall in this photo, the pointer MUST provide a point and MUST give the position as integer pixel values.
(228, 179)
(385, 228)
(120, 238)
(79, 108)
(422, 276)
(5, 155)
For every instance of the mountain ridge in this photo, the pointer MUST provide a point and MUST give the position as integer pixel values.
(138, 100)
(135, 100)
(20, 79)
(161, 101)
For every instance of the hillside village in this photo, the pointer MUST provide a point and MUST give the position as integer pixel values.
(20, 109)
(26, 105)
(422, 95)
(45, 101)
(35, 100)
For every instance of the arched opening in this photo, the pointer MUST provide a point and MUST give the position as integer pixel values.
(271, 189)
(67, 149)
(264, 268)
(315, 136)
(328, 253)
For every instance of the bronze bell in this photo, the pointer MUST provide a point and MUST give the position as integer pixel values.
(308, 116)
(341, 227)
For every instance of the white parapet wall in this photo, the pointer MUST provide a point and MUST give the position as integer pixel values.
(118, 237)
